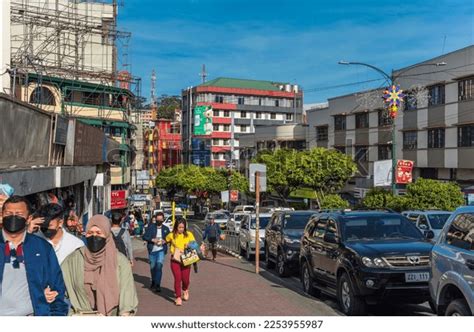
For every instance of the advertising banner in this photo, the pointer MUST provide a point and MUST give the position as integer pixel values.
(404, 171)
(202, 120)
(234, 195)
(118, 199)
(383, 173)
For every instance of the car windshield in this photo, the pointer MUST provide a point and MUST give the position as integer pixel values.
(219, 216)
(437, 221)
(239, 217)
(263, 222)
(296, 221)
(378, 227)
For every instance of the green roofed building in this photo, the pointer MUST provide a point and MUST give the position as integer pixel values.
(238, 107)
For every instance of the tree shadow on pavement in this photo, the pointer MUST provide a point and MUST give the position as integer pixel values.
(142, 259)
(230, 266)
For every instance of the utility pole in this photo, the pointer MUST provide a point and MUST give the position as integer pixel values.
(257, 222)
(232, 139)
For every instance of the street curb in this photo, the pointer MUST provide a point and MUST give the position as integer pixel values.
(227, 251)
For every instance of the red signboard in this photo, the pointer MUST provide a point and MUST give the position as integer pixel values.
(404, 171)
(118, 199)
(234, 195)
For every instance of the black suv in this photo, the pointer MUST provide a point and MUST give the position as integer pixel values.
(282, 240)
(364, 257)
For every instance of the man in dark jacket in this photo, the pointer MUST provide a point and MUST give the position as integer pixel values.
(155, 236)
(212, 233)
(29, 268)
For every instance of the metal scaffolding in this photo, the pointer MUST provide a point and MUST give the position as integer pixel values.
(73, 39)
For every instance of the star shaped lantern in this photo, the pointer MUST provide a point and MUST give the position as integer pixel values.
(393, 97)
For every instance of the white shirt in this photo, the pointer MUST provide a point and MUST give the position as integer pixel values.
(65, 246)
(159, 236)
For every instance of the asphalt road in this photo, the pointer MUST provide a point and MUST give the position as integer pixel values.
(230, 287)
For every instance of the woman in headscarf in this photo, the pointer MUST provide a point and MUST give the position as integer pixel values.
(98, 278)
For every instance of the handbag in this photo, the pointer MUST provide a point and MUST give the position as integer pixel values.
(189, 257)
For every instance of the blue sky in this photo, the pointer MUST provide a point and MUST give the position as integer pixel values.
(292, 40)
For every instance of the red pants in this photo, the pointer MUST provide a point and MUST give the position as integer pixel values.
(181, 277)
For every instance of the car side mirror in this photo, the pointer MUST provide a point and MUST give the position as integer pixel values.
(330, 238)
(429, 235)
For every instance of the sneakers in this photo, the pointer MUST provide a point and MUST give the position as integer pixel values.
(178, 301)
(157, 289)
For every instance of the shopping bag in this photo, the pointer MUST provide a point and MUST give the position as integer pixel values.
(189, 257)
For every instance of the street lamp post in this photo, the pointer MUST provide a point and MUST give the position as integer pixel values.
(391, 80)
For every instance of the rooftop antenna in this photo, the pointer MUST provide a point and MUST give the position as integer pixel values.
(153, 91)
(203, 74)
(444, 44)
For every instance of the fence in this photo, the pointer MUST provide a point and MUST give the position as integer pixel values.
(231, 243)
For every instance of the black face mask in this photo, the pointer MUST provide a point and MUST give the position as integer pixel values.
(48, 232)
(95, 243)
(14, 224)
(159, 222)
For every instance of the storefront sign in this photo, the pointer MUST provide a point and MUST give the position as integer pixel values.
(234, 195)
(118, 199)
(404, 171)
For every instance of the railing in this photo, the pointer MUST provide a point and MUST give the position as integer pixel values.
(231, 242)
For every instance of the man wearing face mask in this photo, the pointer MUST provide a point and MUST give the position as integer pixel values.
(52, 230)
(28, 267)
(155, 236)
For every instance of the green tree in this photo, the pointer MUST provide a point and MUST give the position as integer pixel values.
(284, 170)
(326, 171)
(167, 106)
(334, 201)
(398, 203)
(377, 198)
(434, 194)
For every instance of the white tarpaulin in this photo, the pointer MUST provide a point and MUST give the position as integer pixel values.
(383, 173)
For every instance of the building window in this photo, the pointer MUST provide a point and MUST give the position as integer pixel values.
(341, 149)
(410, 102)
(226, 114)
(466, 89)
(243, 128)
(322, 133)
(289, 116)
(277, 103)
(259, 101)
(362, 120)
(226, 141)
(215, 127)
(384, 152)
(340, 122)
(361, 153)
(215, 141)
(219, 99)
(243, 115)
(43, 96)
(273, 116)
(241, 100)
(384, 118)
(258, 115)
(466, 136)
(215, 113)
(410, 140)
(436, 94)
(436, 138)
(226, 127)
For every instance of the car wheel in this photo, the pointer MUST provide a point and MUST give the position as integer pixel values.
(248, 255)
(282, 268)
(458, 307)
(306, 280)
(350, 304)
(268, 262)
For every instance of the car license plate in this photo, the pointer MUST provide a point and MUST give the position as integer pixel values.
(417, 277)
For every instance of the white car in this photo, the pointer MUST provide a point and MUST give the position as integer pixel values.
(244, 208)
(219, 217)
(234, 222)
(247, 234)
(432, 221)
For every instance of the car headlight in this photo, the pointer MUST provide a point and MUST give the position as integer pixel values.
(373, 262)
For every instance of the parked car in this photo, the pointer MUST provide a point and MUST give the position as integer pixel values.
(412, 215)
(452, 266)
(244, 208)
(247, 234)
(432, 221)
(364, 258)
(282, 240)
(220, 218)
(233, 225)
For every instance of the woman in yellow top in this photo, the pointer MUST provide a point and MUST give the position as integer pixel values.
(179, 239)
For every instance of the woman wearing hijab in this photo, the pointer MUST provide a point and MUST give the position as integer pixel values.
(98, 278)
(179, 239)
